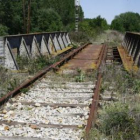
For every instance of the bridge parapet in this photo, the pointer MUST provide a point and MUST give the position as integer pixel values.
(31, 46)
(131, 44)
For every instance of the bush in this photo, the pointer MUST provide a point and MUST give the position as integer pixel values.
(35, 64)
(136, 86)
(79, 37)
(117, 122)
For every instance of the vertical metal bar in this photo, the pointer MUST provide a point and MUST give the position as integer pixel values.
(57, 36)
(136, 52)
(53, 43)
(130, 43)
(46, 45)
(127, 41)
(133, 45)
(15, 63)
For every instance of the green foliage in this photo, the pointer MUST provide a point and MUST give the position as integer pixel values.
(22, 62)
(132, 82)
(116, 121)
(95, 134)
(49, 20)
(11, 15)
(74, 46)
(3, 30)
(93, 27)
(3, 74)
(13, 84)
(128, 21)
(46, 15)
(136, 86)
(79, 37)
(36, 64)
(86, 28)
(24, 90)
(124, 84)
(99, 23)
(80, 77)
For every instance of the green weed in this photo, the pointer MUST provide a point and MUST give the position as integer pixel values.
(13, 84)
(80, 77)
(24, 90)
(117, 122)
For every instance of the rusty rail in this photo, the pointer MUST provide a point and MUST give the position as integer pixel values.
(16, 91)
(95, 101)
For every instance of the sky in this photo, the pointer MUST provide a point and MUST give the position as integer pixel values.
(108, 9)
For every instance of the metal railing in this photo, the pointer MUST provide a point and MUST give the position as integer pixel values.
(32, 45)
(131, 44)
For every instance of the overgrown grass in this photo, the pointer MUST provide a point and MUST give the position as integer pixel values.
(10, 80)
(79, 37)
(35, 64)
(120, 79)
(117, 123)
(119, 120)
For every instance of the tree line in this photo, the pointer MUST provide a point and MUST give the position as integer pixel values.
(128, 21)
(46, 15)
(56, 15)
(94, 26)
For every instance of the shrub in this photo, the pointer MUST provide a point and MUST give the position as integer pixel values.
(136, 86)
(80, 77)
(13, 84)
(117, 122)
(79, 37)
(35, 64)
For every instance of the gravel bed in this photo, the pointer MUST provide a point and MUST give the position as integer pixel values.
(47, 133)
(37, 88)
(79, 86)
(46, 91)
(57, 94)
(17, 107)
(31, 114)
(42, 99)
(61, 120)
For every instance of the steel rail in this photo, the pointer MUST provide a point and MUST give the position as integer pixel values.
(40, 74)
(95, 101)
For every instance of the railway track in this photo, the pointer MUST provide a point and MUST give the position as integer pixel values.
(55, 106)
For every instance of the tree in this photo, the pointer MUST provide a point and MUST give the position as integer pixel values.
(49, 20)
(94, 26)
(99, 22)
(128, 21)
(12, 15)
(3, 30)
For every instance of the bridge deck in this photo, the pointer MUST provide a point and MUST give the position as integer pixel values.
(86, 60)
